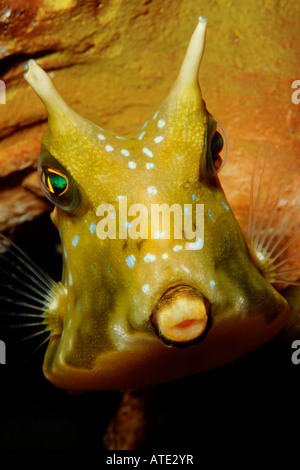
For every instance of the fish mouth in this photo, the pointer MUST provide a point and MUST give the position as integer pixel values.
(180, 317)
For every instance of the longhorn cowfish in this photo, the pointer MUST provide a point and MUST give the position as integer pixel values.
(134, 306)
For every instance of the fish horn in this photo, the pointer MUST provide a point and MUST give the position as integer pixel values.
(57, 108)
(182, 118)
(188, 75)
(67, 131)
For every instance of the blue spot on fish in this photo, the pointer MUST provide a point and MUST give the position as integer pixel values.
(130, 260)
(225, 205)
(149, 257)
(92, 228)
(75, 240)
(211, 215)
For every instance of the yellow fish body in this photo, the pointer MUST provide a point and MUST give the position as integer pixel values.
(133, 311)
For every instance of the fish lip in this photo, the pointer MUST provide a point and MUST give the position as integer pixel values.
(186, 344)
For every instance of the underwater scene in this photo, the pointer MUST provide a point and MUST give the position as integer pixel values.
(149, 226)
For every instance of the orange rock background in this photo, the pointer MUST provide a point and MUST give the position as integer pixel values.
(114, 62)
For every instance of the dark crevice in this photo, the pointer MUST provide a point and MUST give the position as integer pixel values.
(15, 60)
(14, 179)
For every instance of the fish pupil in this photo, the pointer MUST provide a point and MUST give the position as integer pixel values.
(56, 182)
(216, 145)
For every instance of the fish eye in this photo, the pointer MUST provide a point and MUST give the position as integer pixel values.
(57, 184)
(218, 148)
